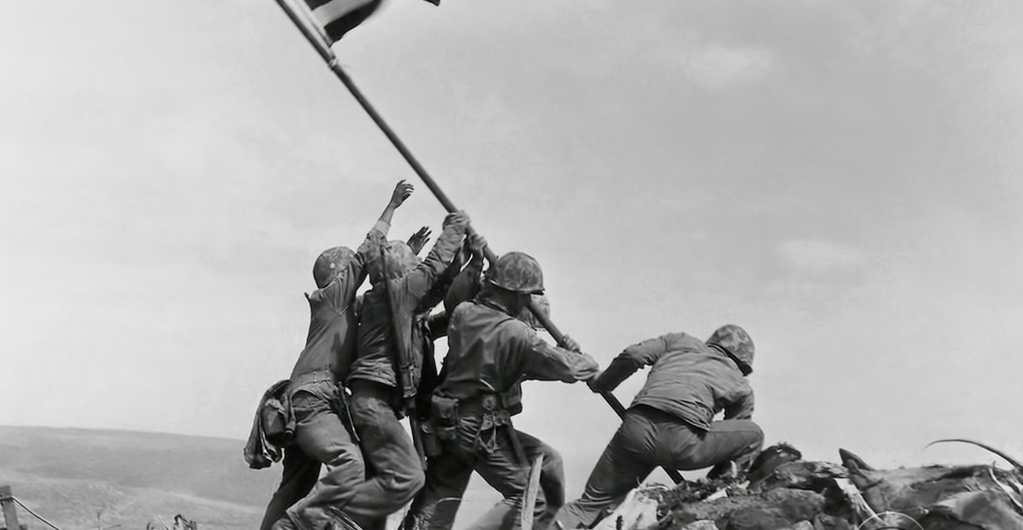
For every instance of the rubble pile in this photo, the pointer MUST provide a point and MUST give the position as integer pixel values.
(783, 491)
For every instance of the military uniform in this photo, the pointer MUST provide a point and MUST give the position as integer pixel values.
(670, 423)
(395, 470)
(320, 436)
(490, 353)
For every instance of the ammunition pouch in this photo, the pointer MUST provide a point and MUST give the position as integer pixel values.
(490, 412)
(276, 420)
(444, 417)
(432, 446)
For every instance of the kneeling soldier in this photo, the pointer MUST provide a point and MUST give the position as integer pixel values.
(670, 422)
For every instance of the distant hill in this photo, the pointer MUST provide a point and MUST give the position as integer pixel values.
(68, 475)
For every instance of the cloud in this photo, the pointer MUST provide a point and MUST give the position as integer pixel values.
(818, 256)
(715, 66)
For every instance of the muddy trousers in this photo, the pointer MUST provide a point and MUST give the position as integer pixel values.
(394, 469)
(448, 475)
(649, 438)
(320, 438)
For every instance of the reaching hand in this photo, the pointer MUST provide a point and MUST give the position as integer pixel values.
(402, 191)
(476, 244)
(571, 345)
(459, 220)
(419, 239)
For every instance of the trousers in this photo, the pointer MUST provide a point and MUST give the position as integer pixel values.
(649, 438)
(395, 472)
(320, 439)
(448, 474)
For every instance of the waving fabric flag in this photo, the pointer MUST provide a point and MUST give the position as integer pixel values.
(335, 18)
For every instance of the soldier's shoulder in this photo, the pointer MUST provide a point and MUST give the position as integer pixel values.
(685, 341)
(467, 310)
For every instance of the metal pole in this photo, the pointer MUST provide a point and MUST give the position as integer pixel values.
(9, 508)
(323, 48)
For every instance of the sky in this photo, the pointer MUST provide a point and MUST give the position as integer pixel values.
(841, 179)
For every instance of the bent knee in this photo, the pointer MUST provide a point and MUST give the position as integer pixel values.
(401, 489)
(756, 434)
(345, 470)
(552, 461)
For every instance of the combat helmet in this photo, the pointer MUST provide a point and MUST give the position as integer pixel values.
(398, 258)
(737, 343)
(330, 263)
(517, 272)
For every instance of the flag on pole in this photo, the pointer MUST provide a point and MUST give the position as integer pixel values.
(335, 18)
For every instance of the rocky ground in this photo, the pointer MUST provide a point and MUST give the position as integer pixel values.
(785, 492)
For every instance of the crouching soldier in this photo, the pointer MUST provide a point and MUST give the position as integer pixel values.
(304, 500)
(387, 370)
(670, 423)
(491, 351)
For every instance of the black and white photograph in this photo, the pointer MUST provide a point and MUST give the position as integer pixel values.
(531, 265)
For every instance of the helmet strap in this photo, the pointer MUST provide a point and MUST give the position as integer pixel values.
(743, 367)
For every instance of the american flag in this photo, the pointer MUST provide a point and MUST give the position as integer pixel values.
(335, 18)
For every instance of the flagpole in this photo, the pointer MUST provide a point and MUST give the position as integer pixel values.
(319, 41)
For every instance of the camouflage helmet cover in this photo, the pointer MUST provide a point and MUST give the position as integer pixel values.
(330, 263)
(400, 260)
(737, 343)
(517, 272)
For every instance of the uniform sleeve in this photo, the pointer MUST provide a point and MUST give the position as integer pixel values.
(417, 283)
(437, 325)
(633, 358)
(466, 285)
(369, 250)
(741, 405)
(543, 362)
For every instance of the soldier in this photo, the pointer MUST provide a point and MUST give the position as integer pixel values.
(320, 436)
(491, 351)
(670, 423)
(388, 367)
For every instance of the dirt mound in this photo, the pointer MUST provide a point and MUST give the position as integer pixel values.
(787, 492)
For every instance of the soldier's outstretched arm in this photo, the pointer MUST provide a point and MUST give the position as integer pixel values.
(417, 283)
(402, 190)
(630, 360)
(466, 284)
(543, 362)
(418, 240)
(377, 236)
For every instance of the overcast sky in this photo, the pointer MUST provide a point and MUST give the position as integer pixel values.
(840, 178)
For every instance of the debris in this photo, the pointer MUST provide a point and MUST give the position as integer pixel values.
(637, 512)
(793, 494)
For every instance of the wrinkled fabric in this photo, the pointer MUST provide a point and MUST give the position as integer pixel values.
(688, 379)
(491, 351)
(376, 357)
(322, 436)
(319, 436)
(650, 438)
(331, 341)
(300, 475)
(260, 451)
(447, 477)
(395, 471)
